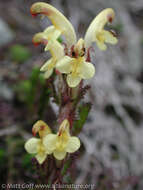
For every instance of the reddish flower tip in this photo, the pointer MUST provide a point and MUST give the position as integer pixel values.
(33, 13)
(110, 18)
(60, 132)
(57, 72)
(43, 11)
(35, 43)
(34, 134)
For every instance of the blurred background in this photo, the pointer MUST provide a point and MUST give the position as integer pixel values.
(113, 135)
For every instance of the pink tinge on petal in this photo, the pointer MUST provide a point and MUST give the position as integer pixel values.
(45, 42)
(46, 11)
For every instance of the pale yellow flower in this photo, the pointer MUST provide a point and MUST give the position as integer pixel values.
(76, 68)
(62, 142)
(59, 21)
(49, 37)
(57, 52)
(35, 145)
(96, 32)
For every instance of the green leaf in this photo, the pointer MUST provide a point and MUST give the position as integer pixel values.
(83, 114)
(25, 86)
(35, 89)
(34, 78)
(26, 160)
(66, 167)
(27, 89)
(23, 89)
(2, 156)
(42, 79)
(19, 53)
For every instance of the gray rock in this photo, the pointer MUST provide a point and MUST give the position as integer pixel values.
(5, 92)
(6, 34)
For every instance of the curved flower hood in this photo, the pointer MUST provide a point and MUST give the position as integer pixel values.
(96, 32)
(35, 145)
(60, 22)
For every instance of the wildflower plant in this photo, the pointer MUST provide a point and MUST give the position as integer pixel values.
(70, 64)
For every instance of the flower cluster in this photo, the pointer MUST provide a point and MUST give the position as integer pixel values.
(71, 57)
(59, 144)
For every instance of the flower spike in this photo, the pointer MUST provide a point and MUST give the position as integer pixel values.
(35, 146)
(59, 21)
(96, 32)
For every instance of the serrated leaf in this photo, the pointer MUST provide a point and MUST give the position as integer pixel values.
(65, 168)
(83, 114)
